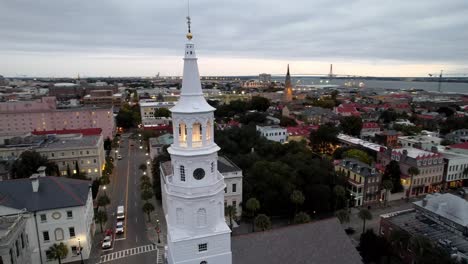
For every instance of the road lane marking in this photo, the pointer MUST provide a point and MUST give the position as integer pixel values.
(130, 252)
(136, 239)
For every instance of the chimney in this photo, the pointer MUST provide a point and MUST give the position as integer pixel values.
(41, 171)
(35, 182)
(424, 202)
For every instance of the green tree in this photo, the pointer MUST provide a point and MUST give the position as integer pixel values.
(412, 171)
(351, 125)
(387, 185)
(393, 173)
(58, 252)
(339, 193)
(301, 218)
(297, 198)
(28, 163)
(364, 215)
(259, 103)
(103, 200)
(143, 167)
(162, 112)
(107, 144)
(287, 121)
(343, 215)
(146, 186)
(101, 218)
(252, 205)
(147, 194)
(359, 155)
(147, 209)
(373, 248)
(104, 180)
(145, 178)
(262, 222)
(388, 116)
(322, 138)
(230, 211)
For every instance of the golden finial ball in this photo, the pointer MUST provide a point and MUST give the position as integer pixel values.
(189, 36)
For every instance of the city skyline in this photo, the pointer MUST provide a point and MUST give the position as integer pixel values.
(235, 38)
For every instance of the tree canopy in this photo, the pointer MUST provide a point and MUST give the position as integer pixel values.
(28, 163)
(351, 125)
(359, 155)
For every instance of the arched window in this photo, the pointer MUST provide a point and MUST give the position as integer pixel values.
(179, 216)
(203, 262)
(182, 173)
(196, 132)
(182, 132)
(208, 130)
(201, 217)
(212, 167)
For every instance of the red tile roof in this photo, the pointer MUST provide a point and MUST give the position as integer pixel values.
(301, 130)
(370, 125)
(84, 132)
(460, 145)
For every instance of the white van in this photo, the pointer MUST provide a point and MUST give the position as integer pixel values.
(120, 212)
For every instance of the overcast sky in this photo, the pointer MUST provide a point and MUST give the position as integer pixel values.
(233, 37)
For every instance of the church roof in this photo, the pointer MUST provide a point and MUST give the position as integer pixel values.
(319, 242)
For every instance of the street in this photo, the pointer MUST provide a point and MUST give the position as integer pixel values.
(134, 245)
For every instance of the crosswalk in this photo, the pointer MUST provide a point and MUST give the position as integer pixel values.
(128, 252)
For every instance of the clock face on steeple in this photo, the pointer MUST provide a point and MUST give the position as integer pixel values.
(199, 173)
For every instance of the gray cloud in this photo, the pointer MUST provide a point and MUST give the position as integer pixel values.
(407, 31)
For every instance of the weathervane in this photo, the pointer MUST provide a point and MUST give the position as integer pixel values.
(189, 34)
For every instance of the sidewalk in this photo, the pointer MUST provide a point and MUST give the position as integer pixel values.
(151, 227)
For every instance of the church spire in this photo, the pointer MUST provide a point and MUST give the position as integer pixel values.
(191, 95)
(287, 94)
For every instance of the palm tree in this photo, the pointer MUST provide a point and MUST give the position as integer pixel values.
(101, 218)
(103, 200)
(262, 222)
(252, 205)
(148, 208)
(364, 215)
(301, 218)
(147, 194)
(58, 252)
(342, 215)
(339, 192)
(230, 212)
(143, 167)
(412, 171)
(387, 185)
(297, 198)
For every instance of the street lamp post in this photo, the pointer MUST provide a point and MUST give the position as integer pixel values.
(158, 230)
(104, 188)
(81, 253)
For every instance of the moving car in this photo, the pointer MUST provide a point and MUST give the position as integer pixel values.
(107, 241)
(120, 212)
(119, 228)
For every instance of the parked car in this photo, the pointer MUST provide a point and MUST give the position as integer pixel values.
(119, 157)
(119, 228)
(107, 241)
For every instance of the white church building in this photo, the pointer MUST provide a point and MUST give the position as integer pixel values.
(192, 187)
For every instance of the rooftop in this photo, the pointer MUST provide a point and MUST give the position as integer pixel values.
(460, 145)
(84, 132)
(360, 142)
(72, 141)
(446, 205)
(318, 242)
(225, 165)
(53, 192)
(414, 152)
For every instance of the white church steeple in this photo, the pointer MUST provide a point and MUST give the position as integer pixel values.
(193, 193)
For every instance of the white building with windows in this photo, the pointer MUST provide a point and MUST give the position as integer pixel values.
(233, 178)
(274, 133)
(192, 187)
(58, 210)
(147, 109)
